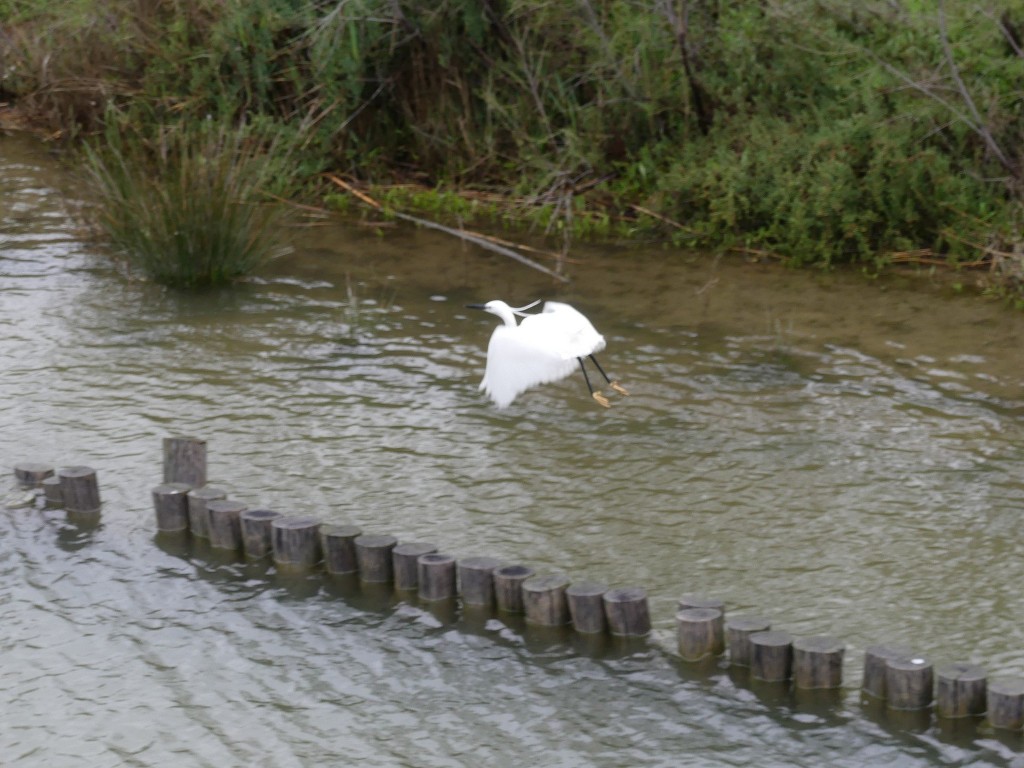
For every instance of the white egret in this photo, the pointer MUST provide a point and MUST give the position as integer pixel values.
(544, 347)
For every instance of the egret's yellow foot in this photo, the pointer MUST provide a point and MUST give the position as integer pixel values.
(618, 388)
(601, 399)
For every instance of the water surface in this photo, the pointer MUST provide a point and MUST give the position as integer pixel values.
(839, 454)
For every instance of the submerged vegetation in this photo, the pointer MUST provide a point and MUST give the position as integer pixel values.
(818, 132)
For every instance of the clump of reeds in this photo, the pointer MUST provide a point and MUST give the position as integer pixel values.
(189, 208)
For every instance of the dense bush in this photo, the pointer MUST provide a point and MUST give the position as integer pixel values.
(188, 211)
(821, 131)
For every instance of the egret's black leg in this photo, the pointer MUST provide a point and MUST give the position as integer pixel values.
(613, 384)
(594, 359)
(596, 395)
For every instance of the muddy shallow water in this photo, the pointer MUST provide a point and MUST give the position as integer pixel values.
(839, 454)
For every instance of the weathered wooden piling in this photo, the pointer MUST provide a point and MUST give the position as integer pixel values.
(30, 474)
(960, 690)
(771, 656)
(51, 490)
(170, 501)
(876, 657)
(339, 545)
(693, 600)
(435, 574)
(198, 518)
(257, 531)
(185, 461)
(508, 587)
(223, 523)
(738, 631)
(79, 489)
(700, 633)
(627, 612)
(1005, 699)
(909, 682)
(476, 580)
(586, 607)
(373, 553)
(296, 541)
(544, 600)
(818, 662)
(404, 563)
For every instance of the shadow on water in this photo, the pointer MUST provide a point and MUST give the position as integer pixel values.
(825, 703)
(77, 531)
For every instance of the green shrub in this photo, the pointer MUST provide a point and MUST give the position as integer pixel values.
(190, 210)
(824, 131)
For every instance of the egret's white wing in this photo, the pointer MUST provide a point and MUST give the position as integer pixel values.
(566, 330)
(519, 358)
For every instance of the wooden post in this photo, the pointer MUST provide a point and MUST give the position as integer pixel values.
(373, 553)
(700, 633)
(51, 489)
(435, 574)
(544, 600)
(171, 503)
(296, 541)
(79, 489)
(960, 691)
(508, 587)
(627, 612)
(257, 531)
(818, 662)
(586, 607)
(1006, 704)
(875, 659)
(185, 461)
(404, 563)
(339, 545)
(476, 580)
(738, 632)
(908, 682)
(701, 601)
(31, 474)
(198, 519)
(225, 528)
(771, 656)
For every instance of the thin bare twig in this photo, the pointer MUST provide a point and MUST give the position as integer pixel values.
(462, 234)
(660, 217)
(980, 127)
(1011, 38)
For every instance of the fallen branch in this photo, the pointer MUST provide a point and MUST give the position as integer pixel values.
(522, 247)
(470, 237)
(660, 217)
(759, 253)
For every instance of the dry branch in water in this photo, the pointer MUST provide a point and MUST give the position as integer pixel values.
(464, 234)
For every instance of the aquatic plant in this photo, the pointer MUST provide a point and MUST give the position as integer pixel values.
(189, 210)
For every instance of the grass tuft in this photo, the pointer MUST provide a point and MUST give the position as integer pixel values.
(189, 209)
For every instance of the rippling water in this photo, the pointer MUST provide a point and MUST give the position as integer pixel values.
(841, 456)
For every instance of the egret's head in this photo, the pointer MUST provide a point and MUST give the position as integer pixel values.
(494, 307)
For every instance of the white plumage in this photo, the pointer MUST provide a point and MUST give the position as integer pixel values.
(543, 348)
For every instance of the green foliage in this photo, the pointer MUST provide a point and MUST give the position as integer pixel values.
(188, 211)
(829, 193)
(824, 131)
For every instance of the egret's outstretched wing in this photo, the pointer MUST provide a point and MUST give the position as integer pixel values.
(567, 329)
(519, 358)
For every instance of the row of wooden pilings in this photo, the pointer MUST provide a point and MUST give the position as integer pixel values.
(186, 505)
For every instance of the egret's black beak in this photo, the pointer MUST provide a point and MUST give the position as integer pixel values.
(476, 306)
